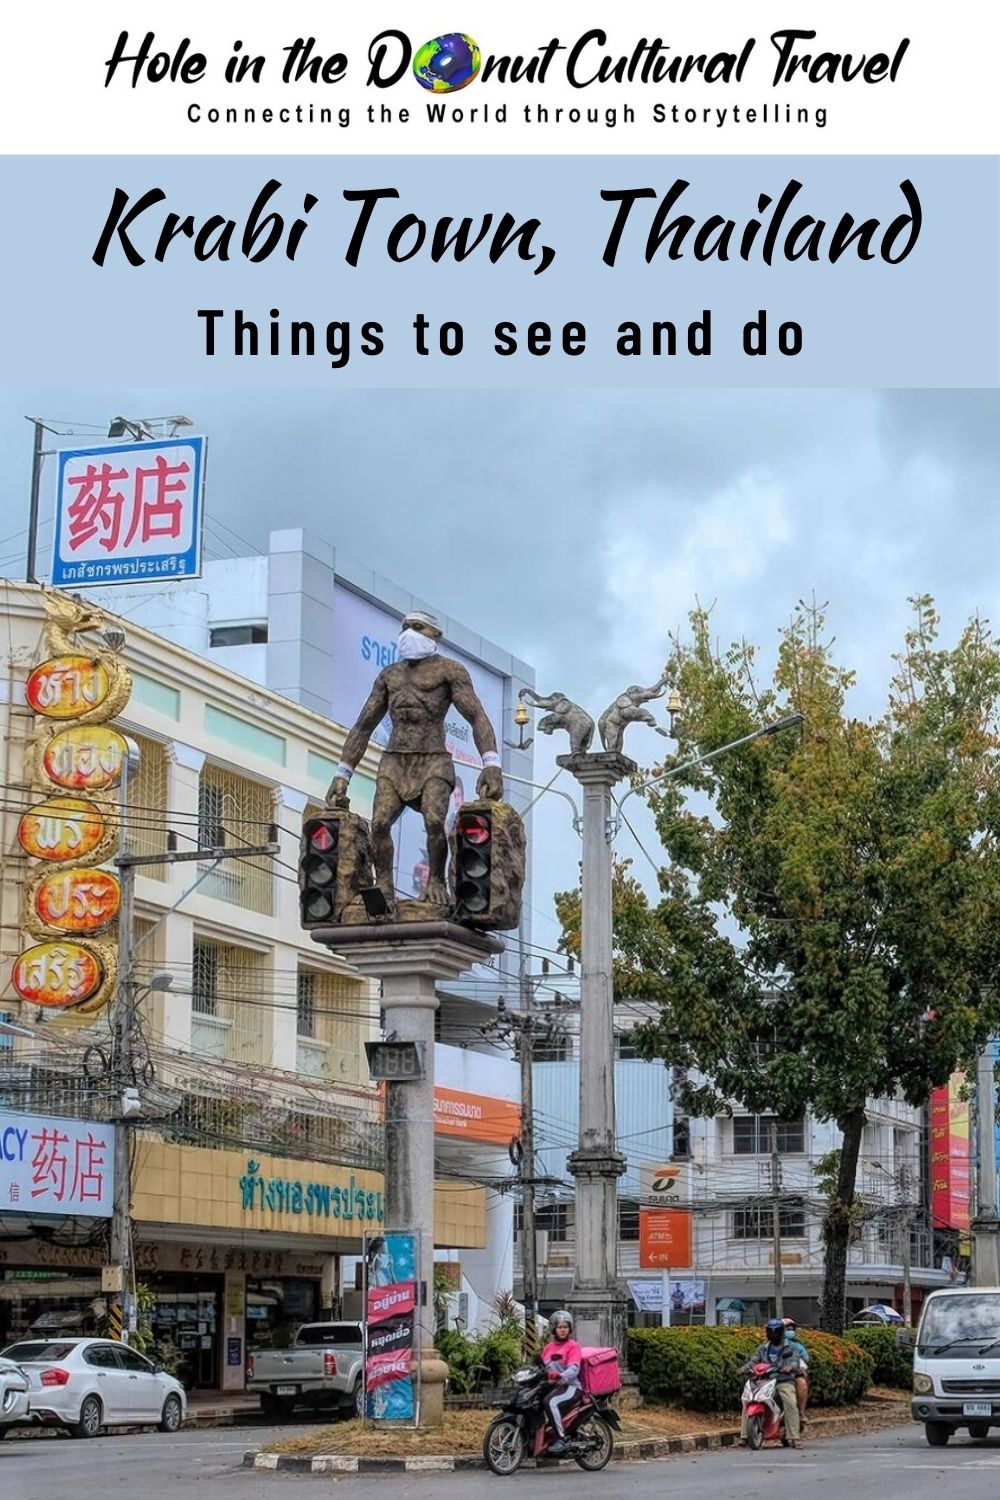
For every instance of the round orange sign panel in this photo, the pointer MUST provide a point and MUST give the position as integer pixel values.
(88, 757)
(57, 974)
(66, 687)
(78, 900)
(62, 828)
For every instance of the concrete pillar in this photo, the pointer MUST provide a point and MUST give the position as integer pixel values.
(596, 1303)
(234, 1328)
(986, 1225)
(409, 958)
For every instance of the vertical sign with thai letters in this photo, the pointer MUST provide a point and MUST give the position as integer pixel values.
(391, 1300)
(129, 512)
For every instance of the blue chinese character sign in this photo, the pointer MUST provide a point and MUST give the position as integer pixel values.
(391, 1318)
(129, 512)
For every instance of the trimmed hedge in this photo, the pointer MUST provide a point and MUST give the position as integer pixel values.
(893, 1365)
(697, 1367)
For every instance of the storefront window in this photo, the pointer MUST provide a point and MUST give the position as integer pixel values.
(35, 1304)
(185, 1313)
(275, 1308)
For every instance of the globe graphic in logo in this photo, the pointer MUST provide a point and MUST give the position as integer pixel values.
(447, 63)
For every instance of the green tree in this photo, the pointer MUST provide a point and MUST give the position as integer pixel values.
(828, 923)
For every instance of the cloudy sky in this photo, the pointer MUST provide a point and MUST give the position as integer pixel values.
(578, 528)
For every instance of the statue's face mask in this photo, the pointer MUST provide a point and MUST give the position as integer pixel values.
(413, 643)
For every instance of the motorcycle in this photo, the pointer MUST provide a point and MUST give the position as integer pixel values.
(524, 1428)
(764, 1412)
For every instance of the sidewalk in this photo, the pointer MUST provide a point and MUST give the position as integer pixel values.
(219, 1408)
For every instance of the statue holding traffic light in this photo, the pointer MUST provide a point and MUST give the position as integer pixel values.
(416, 770)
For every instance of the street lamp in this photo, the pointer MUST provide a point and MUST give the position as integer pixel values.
(597, 1163)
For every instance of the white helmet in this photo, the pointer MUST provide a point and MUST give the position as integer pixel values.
(562, 1316)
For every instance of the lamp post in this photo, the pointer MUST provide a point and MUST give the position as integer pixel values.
(596, 1302)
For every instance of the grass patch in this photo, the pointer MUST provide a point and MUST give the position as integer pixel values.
(462, 1432)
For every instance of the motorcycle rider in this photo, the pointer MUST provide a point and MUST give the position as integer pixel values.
(782, 1357)
(562, 1358)
(802, 1378)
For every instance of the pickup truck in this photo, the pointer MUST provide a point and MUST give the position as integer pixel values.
(324, 1367)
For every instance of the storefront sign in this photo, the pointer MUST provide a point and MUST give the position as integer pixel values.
(68, 687)
(76, 900)
(53, 1165)
(664, 1238)
(57, 975)
(162, 1255)
(69, 829)
(390, 1315)
(87, 757)
(322, 1200)
(476, 1117)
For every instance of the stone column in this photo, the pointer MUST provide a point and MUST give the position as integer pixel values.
(409, 958)
(596, 1303)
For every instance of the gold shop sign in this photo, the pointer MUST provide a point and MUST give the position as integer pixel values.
(86, 758)
(58, 975)
(69, 687)
(74, 900)
(69, 829)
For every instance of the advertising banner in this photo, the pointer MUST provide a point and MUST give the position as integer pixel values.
(951, 1156)
(51, 1165)
(391, 1372)
(685, 1296)
(475, 1117)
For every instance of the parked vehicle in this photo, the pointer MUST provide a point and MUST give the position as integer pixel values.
(524, 1428)
(13, 1396)
(323, 1367)
(956, 1363)
(86, 1385)
(764, 1412)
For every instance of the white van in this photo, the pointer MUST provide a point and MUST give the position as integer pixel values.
(956, 1363)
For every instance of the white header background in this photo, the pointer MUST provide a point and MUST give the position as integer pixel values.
(53, 99)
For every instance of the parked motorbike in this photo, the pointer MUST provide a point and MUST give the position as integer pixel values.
(524, 1428)
(764, 1412)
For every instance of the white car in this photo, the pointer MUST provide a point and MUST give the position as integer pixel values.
(86, 1385)
(13, 1396)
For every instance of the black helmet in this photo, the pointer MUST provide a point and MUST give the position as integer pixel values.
(775, 1330)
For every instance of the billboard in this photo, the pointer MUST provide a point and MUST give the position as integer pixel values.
(685, 1296)
(366, 642)
(128, 512)
(664, 1238)
(951, 1156)
(50, 1165)
(475, 1117)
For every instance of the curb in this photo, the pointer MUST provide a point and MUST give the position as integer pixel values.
(628, 1452)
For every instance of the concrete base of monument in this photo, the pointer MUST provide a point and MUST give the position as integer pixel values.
(599, 1317)
(433, 1376)
(414, 930)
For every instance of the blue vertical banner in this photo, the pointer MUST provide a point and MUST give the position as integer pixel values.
(391, 1369)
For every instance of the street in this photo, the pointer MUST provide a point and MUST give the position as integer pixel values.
(894, 1464)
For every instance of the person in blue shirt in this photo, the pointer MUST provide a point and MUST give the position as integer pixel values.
(802, 1378)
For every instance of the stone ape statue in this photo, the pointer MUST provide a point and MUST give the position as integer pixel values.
(416, 770)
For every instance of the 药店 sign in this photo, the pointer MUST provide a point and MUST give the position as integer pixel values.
(50, 1165)
(129, 512)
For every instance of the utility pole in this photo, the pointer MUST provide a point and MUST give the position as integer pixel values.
(907, 1247)
(529, 1244)
(779, 1275)
(986, 1226)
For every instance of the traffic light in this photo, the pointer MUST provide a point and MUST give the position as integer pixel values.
(488, 865)
(319, 856)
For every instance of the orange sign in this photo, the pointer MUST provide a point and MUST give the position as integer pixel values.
(87, 758)
(477, 1117)
(664, 1239)
(57, 974)
(68, 687)
(66, 828)
(77, 900)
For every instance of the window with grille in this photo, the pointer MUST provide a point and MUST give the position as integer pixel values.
(147, 815)
(628, 1219)
(229, 986)
(554, 1219)
(6, 1036)
(625, 1045)
(305, 1003)
(756, 1221)
(205, 979)
(233, 810)
(752, 1135)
